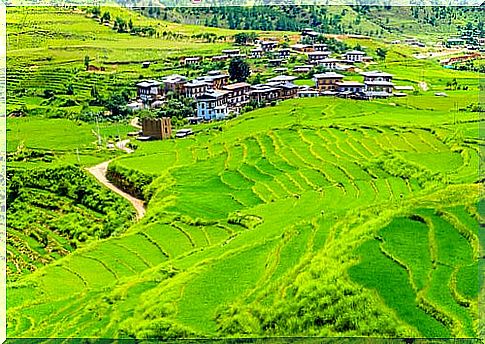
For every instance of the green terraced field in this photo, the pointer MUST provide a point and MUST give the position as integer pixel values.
(315, 217)
(241, 228)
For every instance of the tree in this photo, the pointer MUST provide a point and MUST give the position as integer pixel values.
(241, 38)
(239, 70)
(70, 89)
(86, 61)
(381, 53)
(120, 24)
(106, 17)
(130, 25)
(96, 11)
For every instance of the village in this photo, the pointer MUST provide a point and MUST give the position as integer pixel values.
(217, 99)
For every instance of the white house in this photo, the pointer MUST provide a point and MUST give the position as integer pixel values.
(354, 55)
(148, 90)
(212, 105)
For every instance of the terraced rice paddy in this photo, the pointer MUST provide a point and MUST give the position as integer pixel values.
(315, 217)
(244, 217)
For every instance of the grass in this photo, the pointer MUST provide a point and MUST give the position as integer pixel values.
(262, 225)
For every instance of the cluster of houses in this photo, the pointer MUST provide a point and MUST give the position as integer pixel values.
(216, 98)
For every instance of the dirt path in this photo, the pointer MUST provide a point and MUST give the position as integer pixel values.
(99, 172)
(122, 145)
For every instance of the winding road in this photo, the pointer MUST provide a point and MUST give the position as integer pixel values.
(99, 172)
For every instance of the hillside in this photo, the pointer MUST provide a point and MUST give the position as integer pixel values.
(313, 217)
(374, 21)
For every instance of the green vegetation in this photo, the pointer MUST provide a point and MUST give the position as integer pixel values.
(53, 211)
(314, 217)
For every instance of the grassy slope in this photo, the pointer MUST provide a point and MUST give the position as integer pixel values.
(217, 173)
(319, 162)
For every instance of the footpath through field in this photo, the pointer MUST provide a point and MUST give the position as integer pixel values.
(99, 172)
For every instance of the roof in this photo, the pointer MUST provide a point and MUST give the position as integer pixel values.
(192, 58)
(230, 50)
(354, 52)
(329, 60)
(288, 85)
(308, 91)
(379, 83)
(195, 83)
(214, 72)
(148, 83)
(282, 78)
(236, 86)
(263, 89)
(303, 66)
(174, 78)
(297, 46)
(350, 84)
(268, 42)
(328, 75)
(376, 74)
(319, 53)
(212, 95)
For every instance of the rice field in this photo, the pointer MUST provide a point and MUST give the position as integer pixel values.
(316, 217)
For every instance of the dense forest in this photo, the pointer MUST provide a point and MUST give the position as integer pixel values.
(370, 20)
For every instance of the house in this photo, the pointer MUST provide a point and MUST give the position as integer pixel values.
(195, 88)
(302, 69)
(263, 93)
(315, 57)
(410, 41)
(329, 63)
(145, 65)
(215, 79)
(327, 81)
(287, 90)
(309, 34)
(219, 58)
(275, 62)
(148, 90)
(157, 128)
(307, 93)
(376, 76)
(378, 84)
(281, 70)
(256, 53)
(231, 52)
(397, 41)
(174, 83)
(455, 42)
(212, 105)
(379, 88)
(353, 55)
(319, 47)
(283, 53)
(304, 48)
(268, 45)
(239, 94)
(350, 87)
(191, 60)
